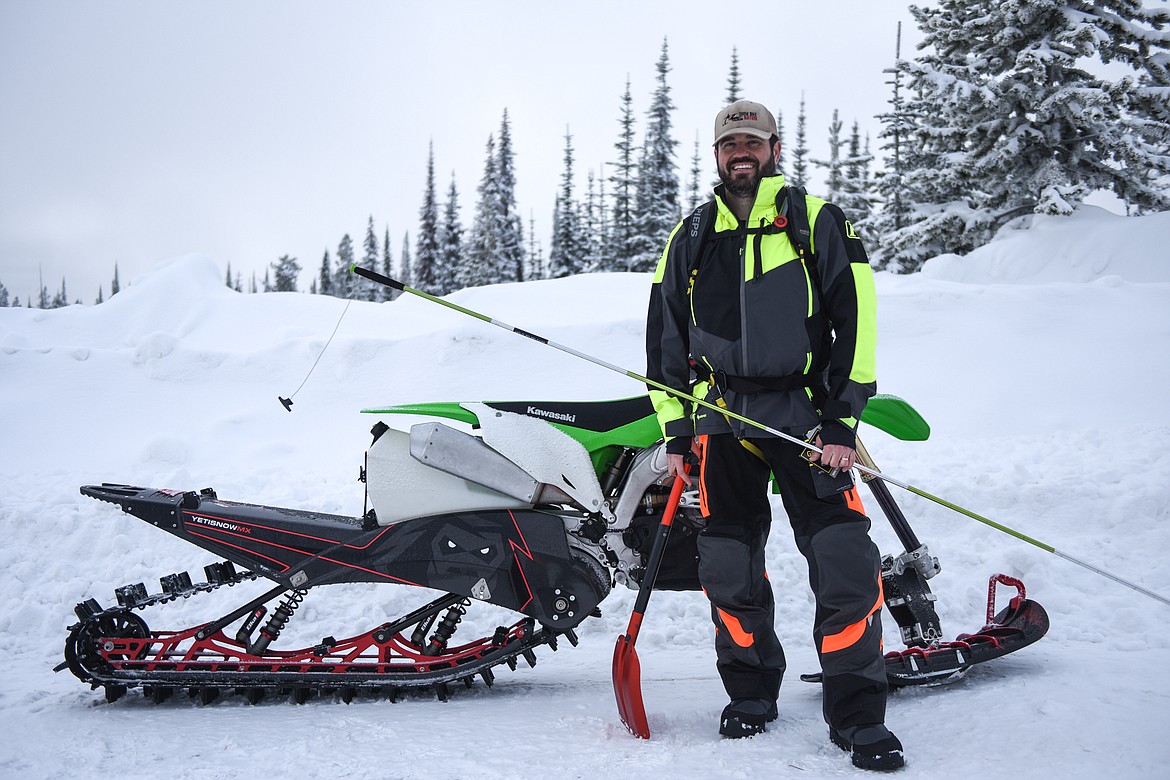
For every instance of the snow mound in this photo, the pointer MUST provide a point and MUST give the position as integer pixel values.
(1084, 247)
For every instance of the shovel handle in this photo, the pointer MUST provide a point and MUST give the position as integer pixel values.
(656, 552)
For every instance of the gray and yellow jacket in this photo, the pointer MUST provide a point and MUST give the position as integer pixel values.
(740, 307)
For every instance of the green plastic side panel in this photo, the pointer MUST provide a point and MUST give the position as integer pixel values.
(888, 413)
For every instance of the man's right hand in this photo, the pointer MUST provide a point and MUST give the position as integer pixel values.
(674, 467)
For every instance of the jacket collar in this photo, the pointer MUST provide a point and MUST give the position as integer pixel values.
(764, 208)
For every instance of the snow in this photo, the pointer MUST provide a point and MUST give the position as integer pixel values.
(1040, 362)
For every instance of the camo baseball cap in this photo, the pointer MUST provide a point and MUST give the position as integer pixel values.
(745, 116)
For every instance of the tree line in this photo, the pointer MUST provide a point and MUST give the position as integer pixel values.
(1002, 116)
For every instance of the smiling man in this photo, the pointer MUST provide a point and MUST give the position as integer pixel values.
(763, 303)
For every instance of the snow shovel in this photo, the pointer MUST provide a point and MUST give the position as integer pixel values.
(627, 672)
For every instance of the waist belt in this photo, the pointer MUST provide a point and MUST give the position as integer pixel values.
(750, 385)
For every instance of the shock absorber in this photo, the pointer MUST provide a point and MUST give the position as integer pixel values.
(276, 623)
(446, 628)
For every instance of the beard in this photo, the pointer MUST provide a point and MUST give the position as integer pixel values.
(742, 185)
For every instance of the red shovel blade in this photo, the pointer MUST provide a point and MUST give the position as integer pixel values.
(627, 686)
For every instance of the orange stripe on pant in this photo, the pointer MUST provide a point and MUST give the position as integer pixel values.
(702, 441)
(848, 636)
(735, 630)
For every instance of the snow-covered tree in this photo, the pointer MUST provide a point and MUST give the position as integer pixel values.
(510, 229)
(325, 276)
(481, 267)
(367, 290)
(450, 243)
(387, 267)
(285, 272)
(1009, 121)
(800, 151)
(4, 295)
(623, 178)
(406, 273)
(114, 285)
(659, 209)
(856, 197)
(566, 256)
(733, 87)
(426, 247)
(835, 178)
(695, 193)
(343, 279)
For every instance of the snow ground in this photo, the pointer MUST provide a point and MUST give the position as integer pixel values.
(1040, 362)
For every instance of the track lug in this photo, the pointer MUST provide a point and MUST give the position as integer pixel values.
(393, 695)
(511, 662)
(208, 694)
(468, 681)
(530, 657)
(114, 692)
(347, 693)
(441, 691)
(254, 695)
(158, 693)
(571, 635)
(488, 676)
(300, 694)
(552, 641)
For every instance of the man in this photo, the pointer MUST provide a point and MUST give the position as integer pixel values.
(789, 341)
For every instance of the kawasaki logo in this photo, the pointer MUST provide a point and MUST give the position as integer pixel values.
(558, 416)
(222, 525)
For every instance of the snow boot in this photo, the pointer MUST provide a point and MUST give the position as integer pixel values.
(746, 717)
(873, 747)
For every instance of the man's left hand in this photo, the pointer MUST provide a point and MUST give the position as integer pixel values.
(834, 456)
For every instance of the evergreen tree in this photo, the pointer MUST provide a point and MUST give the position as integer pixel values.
(483, 253)
(890, 180)
(855, 197)
(325, 276)
(343, 280)
(227, 277)
(510, 228)
(4, 295)
(268, 286)
(695, 194)
(100, 296)
(567, 254)
(835, 180)
(370, 291)
(1009, 123)
(388, 294)
(43, 299)
(536, 268)
(733, 89)
(450, 243)
(800, 152)
(620, 253)
(659, 210)
(406, 274)
(285, 272)
(426, 248)
(780, 135)
(114, 286)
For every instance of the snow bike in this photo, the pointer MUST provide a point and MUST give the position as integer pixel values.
(536, 507)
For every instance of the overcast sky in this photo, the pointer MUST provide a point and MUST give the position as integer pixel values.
(135, 131)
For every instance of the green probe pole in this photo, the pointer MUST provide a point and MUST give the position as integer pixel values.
(374, 276)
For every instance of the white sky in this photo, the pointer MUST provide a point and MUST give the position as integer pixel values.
(132, 131)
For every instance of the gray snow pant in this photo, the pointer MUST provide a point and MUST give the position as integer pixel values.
(844, 573)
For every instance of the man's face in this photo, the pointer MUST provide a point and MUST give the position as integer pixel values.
(742, 160)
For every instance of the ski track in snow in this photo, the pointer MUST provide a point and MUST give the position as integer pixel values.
(1044, 395)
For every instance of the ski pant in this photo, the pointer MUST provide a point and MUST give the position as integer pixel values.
(844, 569)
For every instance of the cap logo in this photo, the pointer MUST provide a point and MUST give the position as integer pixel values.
(741, 116)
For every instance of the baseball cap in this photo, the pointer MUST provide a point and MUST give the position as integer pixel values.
(745, 116)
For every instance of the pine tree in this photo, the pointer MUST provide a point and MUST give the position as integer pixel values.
(890, 181)
(114, 286)
(835, 180)
(855, 197)
(227, 277)
(367, 290)
(620, 252)
(800, 152)
(325, 276)
(343, 284)
(1008, 123)
(733, 89)
(510, 228)
(4, 296)
(406, 274)
(483, 252)
(100, 296)
(450, 243)
(780, 136)
(566, 254)
(388, 294)
(536, 269)
(285, 272)
(426, 248)
(695, 194)
(659, 210)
